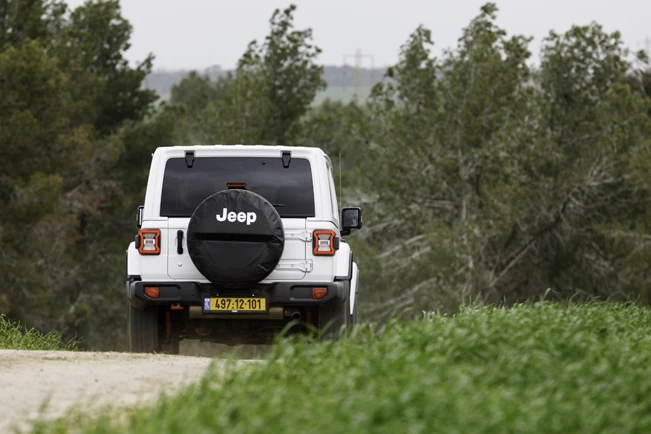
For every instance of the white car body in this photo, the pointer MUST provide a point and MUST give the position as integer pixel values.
(298, 262)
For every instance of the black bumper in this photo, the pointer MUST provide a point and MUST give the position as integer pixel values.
(277, 294)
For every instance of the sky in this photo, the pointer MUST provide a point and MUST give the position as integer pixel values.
(196, 34)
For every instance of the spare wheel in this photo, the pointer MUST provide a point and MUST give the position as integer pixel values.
(235, 238)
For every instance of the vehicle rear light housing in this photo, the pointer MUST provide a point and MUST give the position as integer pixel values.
(318, 293)
(149, 241)
(152, 291)
(325, 243)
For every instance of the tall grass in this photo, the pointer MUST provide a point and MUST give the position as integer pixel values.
(533, 368)
(14, 337)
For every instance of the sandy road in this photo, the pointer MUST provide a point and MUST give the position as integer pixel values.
(86, 379)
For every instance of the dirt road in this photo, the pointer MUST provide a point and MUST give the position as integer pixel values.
(86, 379)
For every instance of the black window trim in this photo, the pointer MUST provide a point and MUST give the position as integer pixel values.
(287, 216)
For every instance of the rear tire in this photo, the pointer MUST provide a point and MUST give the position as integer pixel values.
(353, 317)
(336, 321)
(143, 330)
(171, 348)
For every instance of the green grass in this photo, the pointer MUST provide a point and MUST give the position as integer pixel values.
(14, 337)
(534, 368)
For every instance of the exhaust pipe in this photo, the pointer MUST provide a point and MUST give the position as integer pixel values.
(293, 313)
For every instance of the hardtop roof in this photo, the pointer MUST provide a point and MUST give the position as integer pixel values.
(240, 150)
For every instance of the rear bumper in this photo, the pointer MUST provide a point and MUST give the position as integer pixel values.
(277, 294)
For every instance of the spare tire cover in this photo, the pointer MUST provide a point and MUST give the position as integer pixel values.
(235, 238)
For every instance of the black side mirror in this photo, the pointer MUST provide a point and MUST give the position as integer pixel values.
(351, 218)
(139, 216)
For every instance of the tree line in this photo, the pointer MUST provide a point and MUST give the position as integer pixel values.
(481, 176)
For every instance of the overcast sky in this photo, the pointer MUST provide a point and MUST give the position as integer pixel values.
(195, 34)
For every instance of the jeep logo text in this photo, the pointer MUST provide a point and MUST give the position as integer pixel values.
(248, 217)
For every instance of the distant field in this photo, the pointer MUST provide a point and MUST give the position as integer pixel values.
(343, 94)
(534, 368)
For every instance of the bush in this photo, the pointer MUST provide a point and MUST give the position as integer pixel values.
(534, 368)
(13, 337)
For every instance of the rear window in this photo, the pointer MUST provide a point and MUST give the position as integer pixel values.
(289, 189)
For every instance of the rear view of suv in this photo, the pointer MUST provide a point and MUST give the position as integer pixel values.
(235, 243)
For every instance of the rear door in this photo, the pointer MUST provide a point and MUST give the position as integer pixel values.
(293, 264)
(289, 189)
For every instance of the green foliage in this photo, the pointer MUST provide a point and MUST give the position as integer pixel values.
(263, 102)
(196, 91)
(481, 177)
(24, 20)
(511, 181)
(13, 337)
(92, 46)
(66, 95)
(286, 64)
(29, 118)
(338, 129)
(534, 368)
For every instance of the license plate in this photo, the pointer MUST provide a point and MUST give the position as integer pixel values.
(235, 305)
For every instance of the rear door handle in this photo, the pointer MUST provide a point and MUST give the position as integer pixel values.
(179, 242)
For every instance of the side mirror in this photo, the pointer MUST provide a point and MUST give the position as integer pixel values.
(139, 216)
(351, 219)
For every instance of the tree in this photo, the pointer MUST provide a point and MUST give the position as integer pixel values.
(337, 128)
(32, 208)
(593, 132)
(197, 91)
(437, 124)
(92, 47)
(22, 20)
(272, 88)
(66, 96)
(639, 78)
(491, 181)
(194, 95)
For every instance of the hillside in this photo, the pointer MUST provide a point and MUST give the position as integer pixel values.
(341, 81)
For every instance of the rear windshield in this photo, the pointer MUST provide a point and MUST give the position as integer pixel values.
(288, 189)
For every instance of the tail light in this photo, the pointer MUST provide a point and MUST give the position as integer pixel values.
(325, 243)
(318, 293)
(231, 185)
(152, 291)
(149, 241)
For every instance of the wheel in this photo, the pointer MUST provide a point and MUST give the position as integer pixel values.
(143, 330)
(173, 347)
(146, 332)
(353, 316)
(237, 253)
(336, 320)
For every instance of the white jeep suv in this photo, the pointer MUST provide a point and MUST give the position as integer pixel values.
(234, 243)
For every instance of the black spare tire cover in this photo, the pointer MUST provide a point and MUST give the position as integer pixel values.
(235, 238)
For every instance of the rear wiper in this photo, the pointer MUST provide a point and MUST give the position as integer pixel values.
(278, 205)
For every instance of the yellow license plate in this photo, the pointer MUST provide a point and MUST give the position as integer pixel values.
(235, 304)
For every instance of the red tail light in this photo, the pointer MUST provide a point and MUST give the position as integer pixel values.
(149, 241)
(318, 293)
(152, 291)
(324, 243)
(236, 185)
